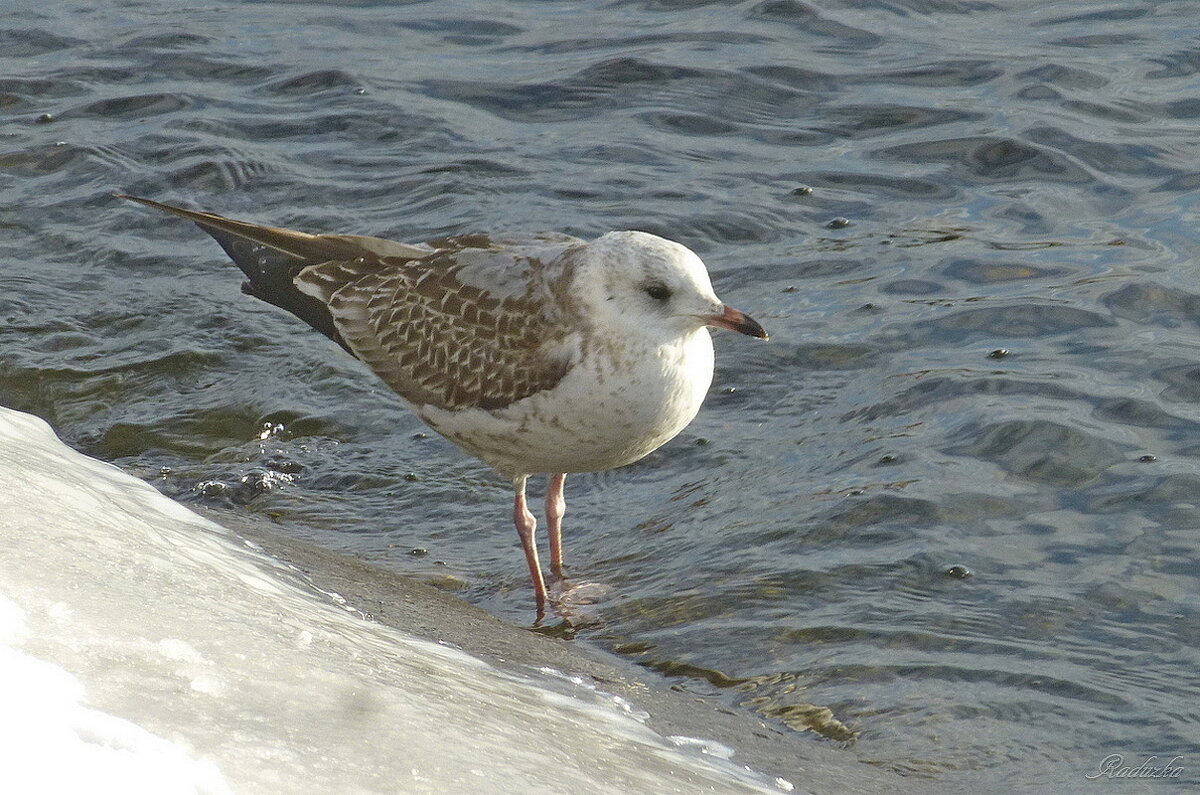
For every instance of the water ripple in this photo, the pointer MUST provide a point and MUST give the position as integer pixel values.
(945, 515)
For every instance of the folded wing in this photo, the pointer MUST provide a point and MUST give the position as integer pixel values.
(458, 323)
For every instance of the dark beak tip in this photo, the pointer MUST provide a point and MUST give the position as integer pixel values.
(736, 320)
(751, 328)
(755, 329)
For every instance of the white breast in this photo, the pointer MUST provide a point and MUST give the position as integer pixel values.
(613, 408)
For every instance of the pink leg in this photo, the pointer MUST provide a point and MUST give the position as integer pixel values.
(526, 526)
(556, 506)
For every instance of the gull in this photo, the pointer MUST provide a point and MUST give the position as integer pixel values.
(544, 355)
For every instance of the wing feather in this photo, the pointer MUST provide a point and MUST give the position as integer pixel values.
(437, 338)
(458, 322)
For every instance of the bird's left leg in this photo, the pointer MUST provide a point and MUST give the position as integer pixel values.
(556, 506)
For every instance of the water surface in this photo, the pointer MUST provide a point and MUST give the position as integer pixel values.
(947, 517)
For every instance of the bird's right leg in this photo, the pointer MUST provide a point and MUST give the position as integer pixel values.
(526, 526)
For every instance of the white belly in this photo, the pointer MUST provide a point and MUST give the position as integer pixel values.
(605, 413)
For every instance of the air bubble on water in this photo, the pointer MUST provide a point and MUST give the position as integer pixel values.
(211, 488)
(270, 430)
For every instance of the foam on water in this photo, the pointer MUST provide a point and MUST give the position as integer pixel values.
(145, 649)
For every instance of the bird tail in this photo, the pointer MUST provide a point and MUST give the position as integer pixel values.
(271, 257)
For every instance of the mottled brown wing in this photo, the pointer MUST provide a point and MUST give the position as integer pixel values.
(436, 335)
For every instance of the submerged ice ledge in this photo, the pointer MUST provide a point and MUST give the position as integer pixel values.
(151, 649)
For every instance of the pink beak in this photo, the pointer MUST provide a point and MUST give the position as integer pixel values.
(736, 320)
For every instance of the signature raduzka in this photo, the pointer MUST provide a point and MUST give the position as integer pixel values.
(1113, 766)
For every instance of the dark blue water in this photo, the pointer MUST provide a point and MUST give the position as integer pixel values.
(949, 517)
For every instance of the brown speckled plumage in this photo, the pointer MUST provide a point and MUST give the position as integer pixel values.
(437, 340)
(457, 323)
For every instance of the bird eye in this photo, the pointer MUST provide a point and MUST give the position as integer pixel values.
(658, 291)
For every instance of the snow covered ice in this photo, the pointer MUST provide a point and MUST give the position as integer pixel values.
(144, 649)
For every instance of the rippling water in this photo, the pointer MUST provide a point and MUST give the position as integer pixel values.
(948, 516)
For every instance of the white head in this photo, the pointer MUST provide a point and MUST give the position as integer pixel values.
(653, 286)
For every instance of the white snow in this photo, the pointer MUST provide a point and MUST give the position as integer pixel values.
(144, 649)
